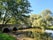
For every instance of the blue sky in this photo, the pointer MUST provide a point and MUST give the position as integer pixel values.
(39, 5)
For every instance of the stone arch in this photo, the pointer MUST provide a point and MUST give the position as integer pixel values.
(5, 30)
(15, 29)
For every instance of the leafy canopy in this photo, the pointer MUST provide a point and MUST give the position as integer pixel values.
(13, 9)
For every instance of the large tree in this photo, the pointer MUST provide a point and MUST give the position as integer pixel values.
(47, 17)
(44, 20)
(14, 10)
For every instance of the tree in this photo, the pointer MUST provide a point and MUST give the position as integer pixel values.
(44, 20)
(35, 20)
(16, 9)
(47, 17)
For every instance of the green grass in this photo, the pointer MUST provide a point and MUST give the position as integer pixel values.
(6, 37)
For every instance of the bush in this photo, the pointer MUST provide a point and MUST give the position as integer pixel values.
(6, 37)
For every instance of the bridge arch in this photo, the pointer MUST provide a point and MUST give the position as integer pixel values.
(5, 30)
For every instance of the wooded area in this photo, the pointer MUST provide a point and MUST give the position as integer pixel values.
(31, 25)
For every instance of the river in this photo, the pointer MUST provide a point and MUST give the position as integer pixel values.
(49, 31)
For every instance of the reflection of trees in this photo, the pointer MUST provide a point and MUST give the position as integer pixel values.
(44, 36)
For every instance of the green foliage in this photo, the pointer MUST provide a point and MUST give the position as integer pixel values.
(42, 20)
(16, 9)
(6, 37)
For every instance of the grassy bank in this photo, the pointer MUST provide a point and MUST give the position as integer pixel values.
(4, 36)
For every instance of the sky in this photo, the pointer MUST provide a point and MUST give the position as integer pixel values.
(39, 5)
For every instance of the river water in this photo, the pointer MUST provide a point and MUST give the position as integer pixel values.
(49, 31)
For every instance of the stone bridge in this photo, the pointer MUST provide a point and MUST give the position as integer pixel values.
(8, 26)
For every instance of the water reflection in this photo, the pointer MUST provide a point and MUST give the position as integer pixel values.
(49, 31)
